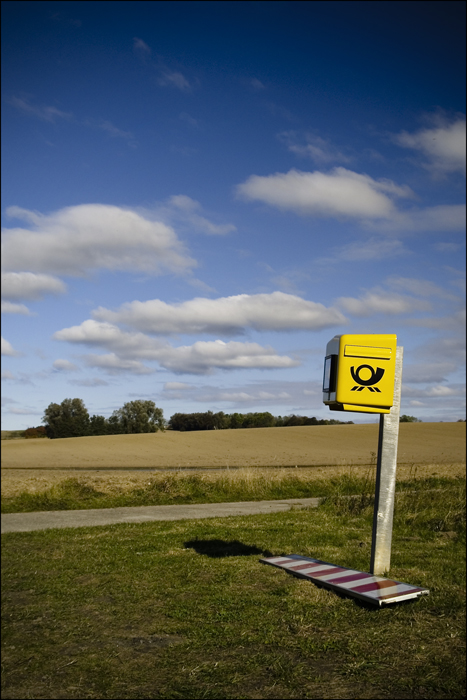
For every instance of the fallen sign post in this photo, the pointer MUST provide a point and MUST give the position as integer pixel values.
(354, 363)
(372, 589)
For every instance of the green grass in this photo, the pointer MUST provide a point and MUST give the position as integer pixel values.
(185, 610)
(12, 434)
(77, 494)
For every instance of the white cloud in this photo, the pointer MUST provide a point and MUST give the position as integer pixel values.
(376, 248)
(88, 382)
(380, 302)
(65, 366)
(295, 395)
(257, 84)
(277, 311)
(419, 287)
(340, 193)
(173, 78)
(109, 128)
(444, 217)
(86, 237)
(447, 322)
(112, 364)
(444, 349)
(8, 349)
(141, 47)
(30, 286)
(106, 335)
(314, 147)
(204, 357)
(24, 411)
(435, 392)
(9, 308)
(177, 386)
(428, 373)
(127, 350)
(444, 145)
(47, 113)
(182, 208)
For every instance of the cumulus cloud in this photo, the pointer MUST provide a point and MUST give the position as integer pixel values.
(65, 366)
(340, 193)
(9, 308)
(76, 240)
(444, 145)
(112, 364)
(380, 302)
(228, 315)
(8, 349)
(29, 286)
(204, 357)
(128, 350)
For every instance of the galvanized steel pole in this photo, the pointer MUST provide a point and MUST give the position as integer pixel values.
(386, 478)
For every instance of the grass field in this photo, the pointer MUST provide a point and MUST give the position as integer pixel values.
(107, 464)
(185, 609)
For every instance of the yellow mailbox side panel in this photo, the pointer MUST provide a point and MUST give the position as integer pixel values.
(366, 371)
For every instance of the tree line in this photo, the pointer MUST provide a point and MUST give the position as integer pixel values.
(71, 418)
(232, 421)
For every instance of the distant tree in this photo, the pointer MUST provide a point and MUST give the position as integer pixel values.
(98, 425)
(409, 419)
(68, 419)
(138, 417)
(39, 432)
(236, 421)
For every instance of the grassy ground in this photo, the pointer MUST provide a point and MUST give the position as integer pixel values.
(12, 434)
(79, 493)
(185, 610)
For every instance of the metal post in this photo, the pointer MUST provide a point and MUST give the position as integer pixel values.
(386, 478)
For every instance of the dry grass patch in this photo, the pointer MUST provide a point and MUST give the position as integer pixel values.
(16, 481)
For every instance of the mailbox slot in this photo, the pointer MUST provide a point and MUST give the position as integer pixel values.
(367, 352)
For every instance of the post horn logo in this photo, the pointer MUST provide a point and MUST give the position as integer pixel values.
(376, 376)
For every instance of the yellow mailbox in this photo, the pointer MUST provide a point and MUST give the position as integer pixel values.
(359, 373)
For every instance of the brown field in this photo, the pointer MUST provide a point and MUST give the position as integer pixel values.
(322, 450)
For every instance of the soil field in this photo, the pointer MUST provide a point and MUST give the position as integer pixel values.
(327, 450)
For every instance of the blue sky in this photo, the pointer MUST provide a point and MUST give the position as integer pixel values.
(197, 196)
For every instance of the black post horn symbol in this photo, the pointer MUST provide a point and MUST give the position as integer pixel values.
(376, 376)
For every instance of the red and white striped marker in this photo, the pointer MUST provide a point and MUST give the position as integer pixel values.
(374, 589)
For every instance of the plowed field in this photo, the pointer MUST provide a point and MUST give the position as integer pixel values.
(327, 449)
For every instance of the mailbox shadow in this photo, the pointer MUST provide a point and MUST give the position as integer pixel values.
(225, 548)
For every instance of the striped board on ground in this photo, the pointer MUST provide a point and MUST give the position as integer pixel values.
(372, 589)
